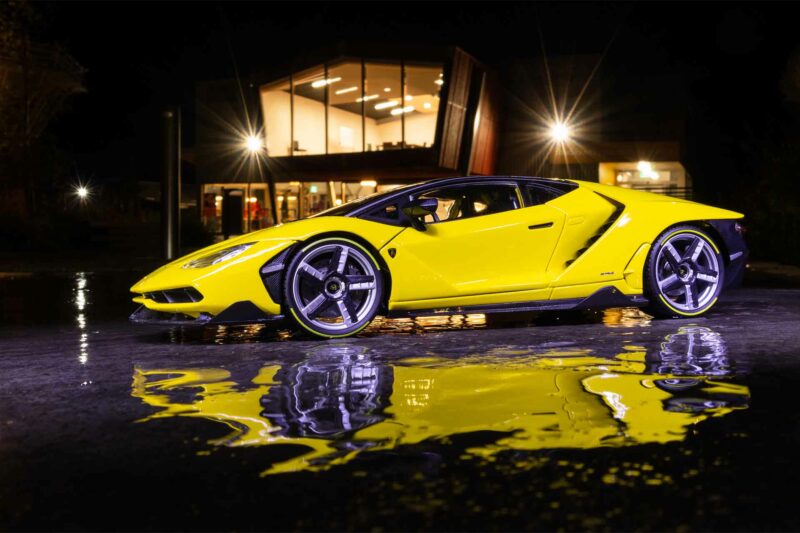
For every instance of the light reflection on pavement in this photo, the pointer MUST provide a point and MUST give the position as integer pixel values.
(584, 420)
(338, 402)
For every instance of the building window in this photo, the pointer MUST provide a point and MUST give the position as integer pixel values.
(309, 111)
(421, 98)
(234, 208)
(345, 108)
(259, 214)
(277, 106)
(287, 200)
(384, 109)
(665, 177)
(351, 106)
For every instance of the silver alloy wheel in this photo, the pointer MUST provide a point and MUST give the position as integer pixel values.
(335, 286)
(687, 272)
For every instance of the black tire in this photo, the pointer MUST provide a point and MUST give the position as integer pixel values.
(333, 287)
(684, 273)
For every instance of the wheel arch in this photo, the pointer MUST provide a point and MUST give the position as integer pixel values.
(708, 228)
(384, 267)
(703, 225)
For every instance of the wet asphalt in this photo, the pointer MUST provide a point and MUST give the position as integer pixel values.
(593, 420)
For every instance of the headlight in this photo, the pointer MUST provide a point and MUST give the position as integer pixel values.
(218, 257)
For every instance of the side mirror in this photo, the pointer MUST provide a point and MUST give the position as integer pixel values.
(418, 209)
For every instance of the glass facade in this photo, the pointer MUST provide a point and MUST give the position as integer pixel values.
(345, 124)
(421, 94)
(352, 106)
(276, 103)
(235, 208)
(344, 107)
(666, 177)
(383, 110)
(308, 112)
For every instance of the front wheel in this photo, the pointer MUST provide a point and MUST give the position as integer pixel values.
(684, 273)
(333, 288)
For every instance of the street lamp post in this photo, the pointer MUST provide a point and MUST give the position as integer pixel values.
(171, 181)
(254, 147)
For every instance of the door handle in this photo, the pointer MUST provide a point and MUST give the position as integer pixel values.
(541, 226)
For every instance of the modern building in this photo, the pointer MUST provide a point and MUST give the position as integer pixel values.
(355, 120)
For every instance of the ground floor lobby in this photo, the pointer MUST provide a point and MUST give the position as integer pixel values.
(235, 208)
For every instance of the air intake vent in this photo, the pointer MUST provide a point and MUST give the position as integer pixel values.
(183, 295)
(272, 275)
(602, 229)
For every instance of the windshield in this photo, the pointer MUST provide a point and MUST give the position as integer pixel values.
(349, 207)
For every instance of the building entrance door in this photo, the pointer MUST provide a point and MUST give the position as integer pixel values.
(232, 212)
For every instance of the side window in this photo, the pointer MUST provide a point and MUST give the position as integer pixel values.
(540, 194)
(388, 214)
(471, 201)
(449, 204)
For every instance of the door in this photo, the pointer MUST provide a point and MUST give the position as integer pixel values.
(481, 241)
(232, 212)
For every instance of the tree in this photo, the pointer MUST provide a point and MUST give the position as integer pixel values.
(35, 81)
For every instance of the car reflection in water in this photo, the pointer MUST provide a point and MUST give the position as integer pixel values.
(340, 402)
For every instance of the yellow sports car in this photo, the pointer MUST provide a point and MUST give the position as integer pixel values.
(459, 245)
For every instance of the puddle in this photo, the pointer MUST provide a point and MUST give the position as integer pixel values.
(339, 402)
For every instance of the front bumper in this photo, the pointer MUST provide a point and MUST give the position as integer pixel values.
(244, 312)
(214, 290)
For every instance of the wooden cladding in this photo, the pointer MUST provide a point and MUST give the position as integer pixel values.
(455, 113)
(469, 135)
(485, 131)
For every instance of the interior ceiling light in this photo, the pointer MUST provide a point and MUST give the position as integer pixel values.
(327, 81)
(645, 169)
(385, 105)
(406, 109)
(367, 98)
(346, 90)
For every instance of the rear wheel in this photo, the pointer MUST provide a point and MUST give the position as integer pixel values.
(684, 273)
(333, 287)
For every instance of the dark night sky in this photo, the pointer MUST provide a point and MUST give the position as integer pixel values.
(726, 59)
